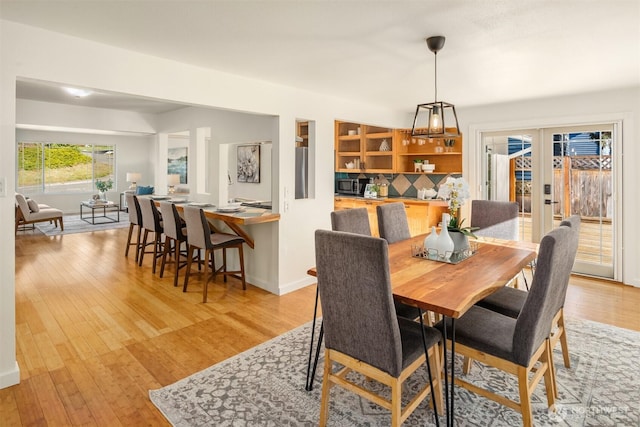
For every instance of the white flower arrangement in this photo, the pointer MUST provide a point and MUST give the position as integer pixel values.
(456, 192)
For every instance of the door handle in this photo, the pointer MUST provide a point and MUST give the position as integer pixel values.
(549, 202)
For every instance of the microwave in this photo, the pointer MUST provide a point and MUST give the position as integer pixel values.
(351, 186)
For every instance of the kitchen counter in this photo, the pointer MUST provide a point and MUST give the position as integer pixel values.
(421, 214)
(391, 199)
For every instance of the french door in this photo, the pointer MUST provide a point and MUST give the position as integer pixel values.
(554, 173)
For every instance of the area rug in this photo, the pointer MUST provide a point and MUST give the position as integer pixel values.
(73, 224)
(264, 386)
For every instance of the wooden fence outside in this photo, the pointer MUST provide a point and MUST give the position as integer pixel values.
(584, 182)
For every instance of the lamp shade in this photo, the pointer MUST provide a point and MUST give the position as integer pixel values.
(134, 176)
(435, 120)
(173, 179)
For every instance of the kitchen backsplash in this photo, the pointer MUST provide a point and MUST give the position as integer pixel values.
(401, 185)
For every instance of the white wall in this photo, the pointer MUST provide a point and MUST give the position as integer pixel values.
(255, 191)
(40, 113)
(600, 107)
(29, 52)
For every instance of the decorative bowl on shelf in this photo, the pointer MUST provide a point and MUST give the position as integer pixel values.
(428, 167)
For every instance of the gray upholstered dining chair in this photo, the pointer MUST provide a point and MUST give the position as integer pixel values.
(151, 223)
(510, 301)
(351, 221)
(495, 219)
(498, 220)
(135, 223)
(200, 236)
(519, 346)
(363, 333)
(175, 233)
(393, 225)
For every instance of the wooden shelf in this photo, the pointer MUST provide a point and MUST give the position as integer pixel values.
(403, 150)
(365, 146)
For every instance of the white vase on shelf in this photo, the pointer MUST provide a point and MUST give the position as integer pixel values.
(431, 241)
(444, 244)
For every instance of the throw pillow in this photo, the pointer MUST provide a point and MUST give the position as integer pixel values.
(142, 190)
(33, 205)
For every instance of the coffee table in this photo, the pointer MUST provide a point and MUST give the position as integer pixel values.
(106, 207)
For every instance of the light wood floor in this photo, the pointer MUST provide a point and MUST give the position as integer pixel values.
(95, 332)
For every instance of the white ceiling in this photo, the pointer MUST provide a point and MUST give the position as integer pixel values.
(372, 51)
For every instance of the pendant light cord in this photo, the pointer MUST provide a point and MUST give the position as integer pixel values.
(435, 75)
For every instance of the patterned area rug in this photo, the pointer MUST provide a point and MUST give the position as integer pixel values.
(264, 386)
(73, 224)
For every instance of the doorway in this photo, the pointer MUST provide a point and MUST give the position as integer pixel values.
(553, 173)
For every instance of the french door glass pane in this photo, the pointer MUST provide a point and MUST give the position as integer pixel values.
(583, 185)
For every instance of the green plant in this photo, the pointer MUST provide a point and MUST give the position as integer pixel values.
(103, 186)
(456, 192)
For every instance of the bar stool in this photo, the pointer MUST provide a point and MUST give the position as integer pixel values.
(151, 223)
(175, 233)
(200, 237)
(135, 220)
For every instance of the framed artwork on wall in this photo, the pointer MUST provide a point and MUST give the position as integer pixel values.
(177, 162)
(249, 163)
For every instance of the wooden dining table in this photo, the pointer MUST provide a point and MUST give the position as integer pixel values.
(451, 289)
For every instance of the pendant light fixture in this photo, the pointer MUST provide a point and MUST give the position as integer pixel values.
(435, 119)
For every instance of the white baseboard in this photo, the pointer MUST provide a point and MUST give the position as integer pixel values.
(11, 377)
(298, 284)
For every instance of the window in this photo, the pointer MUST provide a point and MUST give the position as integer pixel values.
(47, 167)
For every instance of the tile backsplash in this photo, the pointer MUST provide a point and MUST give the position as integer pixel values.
(402, 185)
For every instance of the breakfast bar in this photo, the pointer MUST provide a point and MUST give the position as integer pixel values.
(246, 215)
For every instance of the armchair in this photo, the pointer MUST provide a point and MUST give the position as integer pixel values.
(30, 212)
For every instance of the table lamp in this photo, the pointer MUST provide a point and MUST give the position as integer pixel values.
(172, 181)
(133, 178)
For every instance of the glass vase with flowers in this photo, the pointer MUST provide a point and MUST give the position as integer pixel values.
(456, 192)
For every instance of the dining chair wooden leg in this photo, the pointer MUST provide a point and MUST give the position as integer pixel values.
(552, 368)
(466, 365)
(549, 378)
(525, 396)
(563, 339)
(326, 386)
(396, 402)
(436, 370)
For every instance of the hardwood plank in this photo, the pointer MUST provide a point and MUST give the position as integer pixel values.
(95, 334)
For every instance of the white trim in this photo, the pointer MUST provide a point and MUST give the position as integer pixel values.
(298, 284)
(623, 133)
(11, 377)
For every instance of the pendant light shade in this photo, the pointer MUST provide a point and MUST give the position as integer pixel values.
(435, 119)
